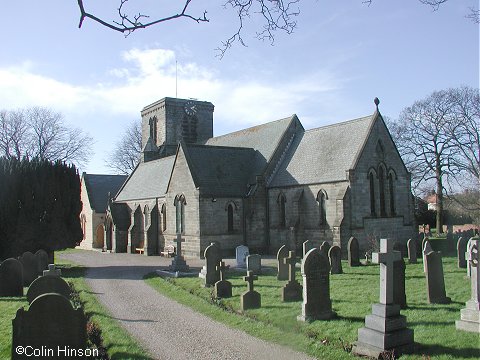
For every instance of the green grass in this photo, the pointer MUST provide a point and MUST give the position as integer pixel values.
(119, 344)
(352, 294)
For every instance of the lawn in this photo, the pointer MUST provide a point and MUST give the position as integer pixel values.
(352, 294)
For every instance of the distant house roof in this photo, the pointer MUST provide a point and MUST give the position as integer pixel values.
(148, 180)
(220, 170)
(323, 154)
(98, 188)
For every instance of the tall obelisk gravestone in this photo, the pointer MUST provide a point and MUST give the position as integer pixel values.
(385, 329)
(470, 316)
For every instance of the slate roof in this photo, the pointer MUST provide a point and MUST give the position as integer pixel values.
(220, 170)
(148, 180)
(98, 187)
(323, 154)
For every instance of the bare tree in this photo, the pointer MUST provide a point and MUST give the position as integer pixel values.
(126, 154)
(39, 132)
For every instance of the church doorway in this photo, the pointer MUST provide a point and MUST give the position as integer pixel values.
(99, 237)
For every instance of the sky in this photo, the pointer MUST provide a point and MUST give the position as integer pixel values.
(341, 56)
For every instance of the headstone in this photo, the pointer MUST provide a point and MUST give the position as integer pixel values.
(213, 257)
(47, 284)
(385, 329)
(398, 246)
(426, 249)
(317, 304)
(254, 264)
(52, 271)
(470, 316)
(223, 288)
(461, 250)
(399, 295)
(412, 251)
(306, 247)
(469, 264)
(50, 323)
(282, 254)
(11, 278)
(424, 240)
(250, 299)
(292, 291)
(42, 260)
(435, 280)
(353, 250)
(178, 263)
(324, 247)
(30, 268)
(241, 253)
(335, 258)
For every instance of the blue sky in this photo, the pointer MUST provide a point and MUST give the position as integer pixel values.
(342, 55)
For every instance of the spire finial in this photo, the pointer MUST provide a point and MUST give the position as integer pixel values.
(376, 102)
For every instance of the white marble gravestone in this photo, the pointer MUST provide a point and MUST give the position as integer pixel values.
(241, 253)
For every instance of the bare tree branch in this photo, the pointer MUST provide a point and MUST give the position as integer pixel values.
(126, 154)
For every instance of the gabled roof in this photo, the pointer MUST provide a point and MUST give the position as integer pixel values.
(220, 170)
(148, 180)
(324, 154)
(98, 187)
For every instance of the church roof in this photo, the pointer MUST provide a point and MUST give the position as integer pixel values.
(148, 180)
(220, 170)
(98, 187)
(324, 154)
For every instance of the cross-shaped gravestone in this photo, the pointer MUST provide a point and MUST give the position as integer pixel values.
(222, 267)
(179, 241)
(290, 261)
(250, 278)
(292, 291)
(52, 271)
(178, 262)
(223, 288)
(386, 257)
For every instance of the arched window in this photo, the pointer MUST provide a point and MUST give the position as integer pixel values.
(145, 216)
(322, 209)
(180, 213)
(381, 186)
(164, 217)
(230, 217)
(153, 129)
(283, 218)
(391, 193)
(372, 194)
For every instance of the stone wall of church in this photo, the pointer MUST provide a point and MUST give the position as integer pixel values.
(256, 219)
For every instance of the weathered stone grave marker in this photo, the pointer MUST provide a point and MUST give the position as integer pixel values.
(292, 291)
(306, 247)
(469, 264)
(399, 295)
(52, 271)
(250, 299)
(213, 257)
(412, 251)
(11, 278)
(178, 263)
(426, 249)
(47, 284)
(317, 304)
(42, 260)
(324, 247)
(254, 264)
(282, 267)
(385, 329)
(223, 288)
(30, 267)
(353, 250)
(461, 250)
(241, 253)
(470, 316)
(435, 280)
(335, 258)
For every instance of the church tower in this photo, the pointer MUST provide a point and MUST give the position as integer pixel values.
(169, 120)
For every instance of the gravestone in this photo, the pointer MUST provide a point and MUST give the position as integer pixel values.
(223, 288)
(435, 280)
(292, 291)
(30, 268)
(424, 240)
(335, 258)
(426, 249)
(50, 323)
(324, 247)
(353, 250)
(254, 264)
(469, 265)
(178, 263)
(11, 278)
(42, 260)
(209, 272)
(412, 251)
(470, 316)
(317, 304)
(461, 250)
(385, 329)
(47, 284)
(241, 253)
(250, 299)
(306, 247)
(282, 267)
(398, 246)
(399, 295)
(52, 271)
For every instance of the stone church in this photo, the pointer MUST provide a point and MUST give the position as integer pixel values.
(263, 187)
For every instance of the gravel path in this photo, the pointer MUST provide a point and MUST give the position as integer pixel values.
(166, 329)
